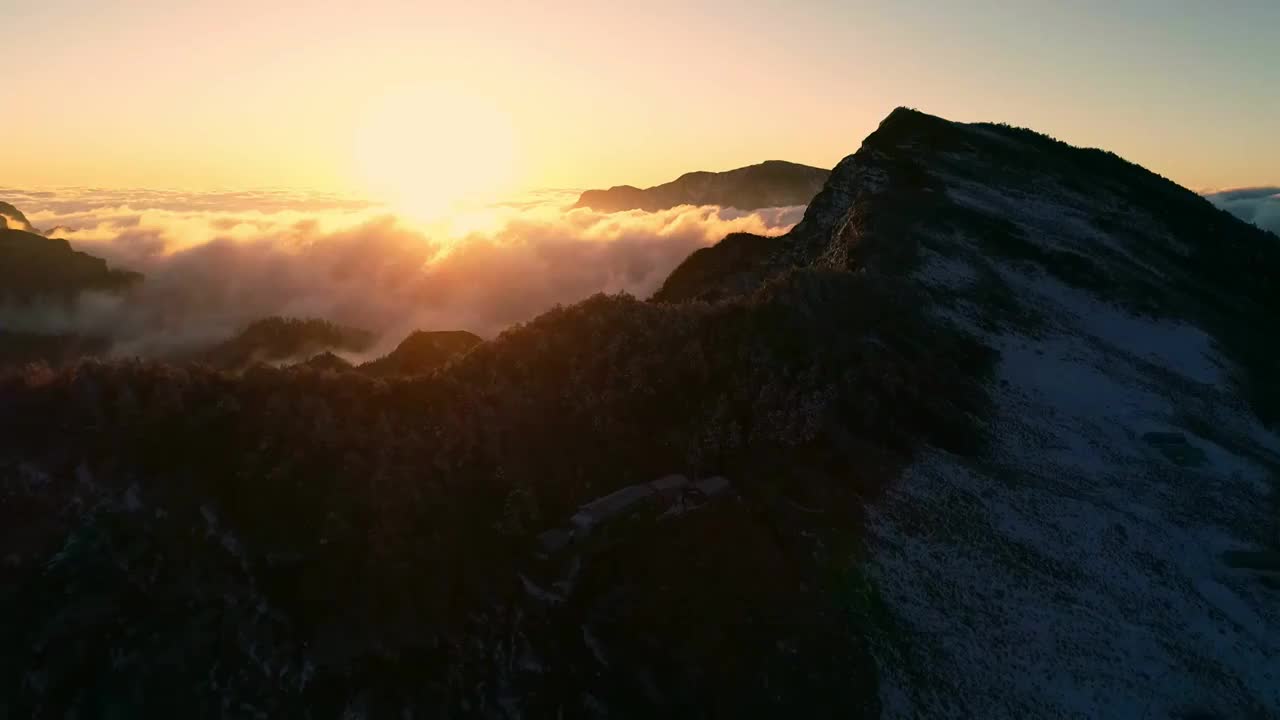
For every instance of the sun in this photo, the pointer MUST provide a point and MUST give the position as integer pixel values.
(427, 150)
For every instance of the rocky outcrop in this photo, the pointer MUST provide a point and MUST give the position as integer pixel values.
(773, 183)
(670, 496)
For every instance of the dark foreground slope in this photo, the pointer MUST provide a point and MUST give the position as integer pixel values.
(910, 435)
(773, 183)
(322, 539)
(287, 540)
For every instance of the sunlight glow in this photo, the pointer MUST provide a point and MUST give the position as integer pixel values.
(427, 150)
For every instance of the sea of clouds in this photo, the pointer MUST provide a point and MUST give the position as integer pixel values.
(216, 261)
(1260, 205)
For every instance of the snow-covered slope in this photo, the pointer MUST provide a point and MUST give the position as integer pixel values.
(1076, 567)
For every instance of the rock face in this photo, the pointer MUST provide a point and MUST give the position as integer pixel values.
(773, 183)
(33, 267)
(994, 422)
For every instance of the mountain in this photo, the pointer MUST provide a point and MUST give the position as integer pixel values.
(11, 218)
(280, 339)
(985, 435)
(327, 361)
(1129, 471)
(422, 352)
(773, 183)
(33, 267)
(36, 268)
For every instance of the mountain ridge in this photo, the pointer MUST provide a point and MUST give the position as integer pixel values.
(772, 183)
(1107, 292)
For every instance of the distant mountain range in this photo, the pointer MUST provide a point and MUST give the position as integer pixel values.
(773, 183)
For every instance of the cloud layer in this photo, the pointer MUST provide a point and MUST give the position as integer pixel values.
(1260, 206)
(216, 261)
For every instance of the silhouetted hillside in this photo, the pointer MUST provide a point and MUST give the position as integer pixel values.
(33, 266)
(773, 183)
(422, 352)
(735, 265)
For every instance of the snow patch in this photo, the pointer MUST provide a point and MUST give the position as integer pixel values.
(1076, 570)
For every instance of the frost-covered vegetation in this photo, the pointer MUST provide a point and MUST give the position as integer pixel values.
(285, 523)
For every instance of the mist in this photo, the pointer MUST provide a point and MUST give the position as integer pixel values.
(1260, 205)
(216, 261)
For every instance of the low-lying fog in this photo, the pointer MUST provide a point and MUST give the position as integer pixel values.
(216, 261)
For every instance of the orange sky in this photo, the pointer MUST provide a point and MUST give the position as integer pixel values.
(428, 100)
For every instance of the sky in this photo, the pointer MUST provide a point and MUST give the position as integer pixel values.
(414, 101)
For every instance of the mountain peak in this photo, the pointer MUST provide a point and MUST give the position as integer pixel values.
(1130, 378)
